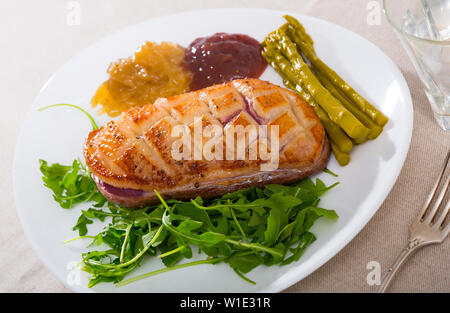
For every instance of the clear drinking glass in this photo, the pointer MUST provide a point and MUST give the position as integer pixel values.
(423, 27)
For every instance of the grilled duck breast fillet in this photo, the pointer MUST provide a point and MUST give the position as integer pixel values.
(131, 157)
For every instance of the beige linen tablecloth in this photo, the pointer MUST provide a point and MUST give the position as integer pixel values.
(38, 41)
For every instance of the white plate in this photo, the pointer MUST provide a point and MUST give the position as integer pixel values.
(57, 135)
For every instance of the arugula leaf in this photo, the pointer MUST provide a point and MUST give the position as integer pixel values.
(306, 218)
(70, 184)
(256, 220)
(286, 231)
(245, 262)
(277, 220)
(81, 225)
(304, 240)
(318, 189)
(96, 213)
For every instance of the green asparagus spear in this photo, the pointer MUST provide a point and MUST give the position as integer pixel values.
(334, 108)
(297, 25)
(301, 38)
(342, 157)
(336, 134)
(359, 141)
(374, 129)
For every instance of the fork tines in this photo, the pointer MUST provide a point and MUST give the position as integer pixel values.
(431, 213)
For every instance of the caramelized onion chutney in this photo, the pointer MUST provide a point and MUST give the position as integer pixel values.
(154, 71)
(223, 57)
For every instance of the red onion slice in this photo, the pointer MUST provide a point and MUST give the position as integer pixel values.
(120, 192)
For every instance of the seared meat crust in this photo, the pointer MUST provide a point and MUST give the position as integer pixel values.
(134, 153)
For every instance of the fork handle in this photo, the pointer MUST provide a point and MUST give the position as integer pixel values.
(412, 247)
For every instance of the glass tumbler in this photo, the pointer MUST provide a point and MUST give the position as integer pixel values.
(423, 27)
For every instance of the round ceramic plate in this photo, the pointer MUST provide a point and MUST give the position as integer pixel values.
(57, 135)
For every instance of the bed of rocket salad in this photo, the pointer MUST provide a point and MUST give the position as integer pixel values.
(244, 229)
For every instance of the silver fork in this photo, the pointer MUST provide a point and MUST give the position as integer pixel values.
(428, 228)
